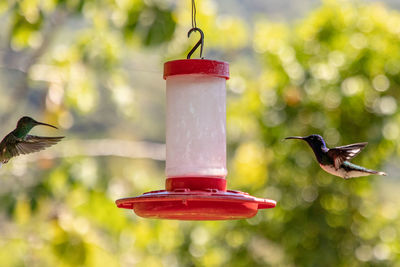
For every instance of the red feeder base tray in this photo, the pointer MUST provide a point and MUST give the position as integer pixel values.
(203, 204)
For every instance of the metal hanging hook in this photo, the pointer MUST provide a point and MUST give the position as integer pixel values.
(199, 43)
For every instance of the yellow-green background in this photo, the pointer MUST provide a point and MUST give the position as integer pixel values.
(94, 68)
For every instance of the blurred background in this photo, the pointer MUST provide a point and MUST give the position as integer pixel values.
(94, 68)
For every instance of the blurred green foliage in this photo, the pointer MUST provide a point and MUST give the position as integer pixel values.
(89, 66)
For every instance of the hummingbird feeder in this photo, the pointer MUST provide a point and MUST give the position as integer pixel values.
(195, 187)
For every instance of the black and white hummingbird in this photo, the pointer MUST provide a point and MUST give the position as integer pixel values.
(335, 160)
(20, 142)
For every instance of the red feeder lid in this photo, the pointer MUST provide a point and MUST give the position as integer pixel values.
(196, 66)
(200, 202)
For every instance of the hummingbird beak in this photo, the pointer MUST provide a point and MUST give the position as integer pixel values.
(294, 137)
(45, 124)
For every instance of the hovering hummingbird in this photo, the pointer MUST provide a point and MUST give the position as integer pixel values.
(20, 142)
(335, 160)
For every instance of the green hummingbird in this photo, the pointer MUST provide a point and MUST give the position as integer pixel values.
(335, 160)
(19, 142)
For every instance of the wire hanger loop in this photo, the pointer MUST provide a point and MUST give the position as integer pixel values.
(199, 43)
(195, 29)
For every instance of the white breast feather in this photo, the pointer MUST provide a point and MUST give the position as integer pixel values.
(342, 173)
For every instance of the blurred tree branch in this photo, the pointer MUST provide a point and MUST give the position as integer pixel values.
(105, 147)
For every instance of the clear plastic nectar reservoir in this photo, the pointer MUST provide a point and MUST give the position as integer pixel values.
(196, 126)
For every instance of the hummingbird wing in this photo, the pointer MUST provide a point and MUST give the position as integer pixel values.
(32, 143)
(342, 153)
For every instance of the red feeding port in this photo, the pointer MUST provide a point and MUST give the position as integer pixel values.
(196, 199)
(196, 150)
